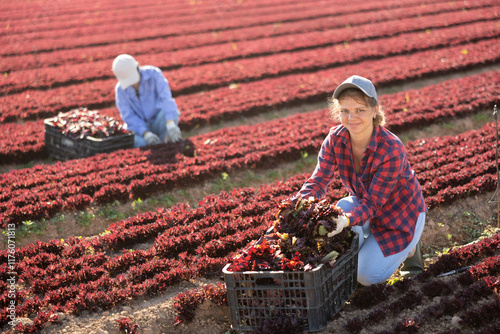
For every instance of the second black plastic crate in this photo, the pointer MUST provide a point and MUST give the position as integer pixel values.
(62, 147)
(312, 297)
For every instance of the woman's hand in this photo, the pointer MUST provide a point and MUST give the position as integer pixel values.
(342, 222)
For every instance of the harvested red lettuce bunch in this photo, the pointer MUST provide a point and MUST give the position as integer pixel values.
(80, 123)
(298, 239)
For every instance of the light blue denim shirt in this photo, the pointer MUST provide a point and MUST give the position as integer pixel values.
(154, 95)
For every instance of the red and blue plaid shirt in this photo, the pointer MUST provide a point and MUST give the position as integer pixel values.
(386, 186)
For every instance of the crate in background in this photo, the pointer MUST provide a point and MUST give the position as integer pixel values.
(62, 147)
(312, 297)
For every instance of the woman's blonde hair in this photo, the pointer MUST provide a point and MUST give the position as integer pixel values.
(360, 97)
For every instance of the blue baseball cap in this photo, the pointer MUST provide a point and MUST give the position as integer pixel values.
(358, 82)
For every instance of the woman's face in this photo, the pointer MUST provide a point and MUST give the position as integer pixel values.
(356, 116)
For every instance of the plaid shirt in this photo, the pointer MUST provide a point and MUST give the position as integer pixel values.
(386, 187)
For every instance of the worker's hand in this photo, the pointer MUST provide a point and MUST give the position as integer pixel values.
(342, 222)
(151, 138)
(173, 132)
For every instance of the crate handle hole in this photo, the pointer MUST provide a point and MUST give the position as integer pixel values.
(268, 281)
(67, 142)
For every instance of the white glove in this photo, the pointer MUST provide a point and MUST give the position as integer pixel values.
(173, 132)
(151, 138)
(342, 222)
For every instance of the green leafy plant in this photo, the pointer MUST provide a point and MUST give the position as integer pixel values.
(137, 204)
(110, 211)
(223, 183)
(168, 200)
(475, 226)
(29, 227)
(85, 218)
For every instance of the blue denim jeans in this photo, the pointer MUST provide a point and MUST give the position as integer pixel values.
(156, 126)
(373, 266)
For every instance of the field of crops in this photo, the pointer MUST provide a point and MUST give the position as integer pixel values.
(251, 79)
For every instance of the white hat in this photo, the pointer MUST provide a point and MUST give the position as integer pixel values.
(125, 70)
(356, 81)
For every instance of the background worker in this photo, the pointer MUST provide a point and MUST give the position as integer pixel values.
(385, 203)
(145, 102)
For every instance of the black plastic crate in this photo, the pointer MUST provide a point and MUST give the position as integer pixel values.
(62, 147)
(312, 297)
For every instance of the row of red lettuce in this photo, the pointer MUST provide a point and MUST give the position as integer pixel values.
(219, 225)
(32, 104)
(403, 109)
(44, 190)
(83, 274)
(175, 44)
(471, 296)
(50, 39)
(101, 20)
(333, 43)
(25, 13)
